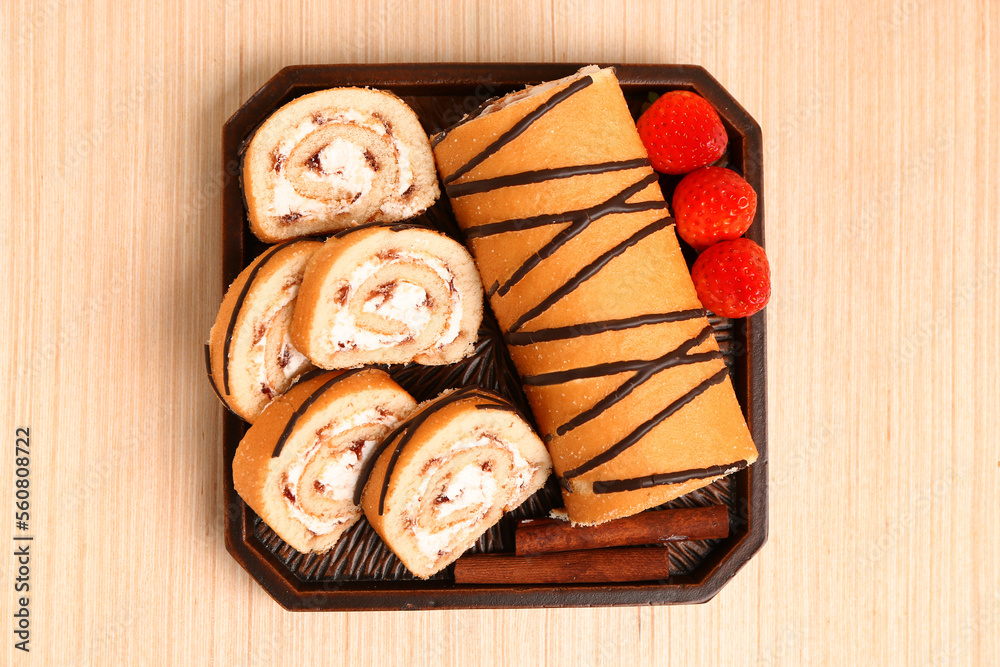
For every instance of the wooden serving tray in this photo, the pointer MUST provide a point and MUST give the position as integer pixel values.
(361, 573)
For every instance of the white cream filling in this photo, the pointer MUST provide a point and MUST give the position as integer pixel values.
(358, 118)
(455, 319)
(366, 417)
(402, 152)
(257, 363)
(285, 200)
(344, 166)
(296, 360)
(469, 486)
(406, 305)
(340, 475)
(301, 131)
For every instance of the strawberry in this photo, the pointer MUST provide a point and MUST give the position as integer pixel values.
(733, 278)
(713, 204)
(681, 132)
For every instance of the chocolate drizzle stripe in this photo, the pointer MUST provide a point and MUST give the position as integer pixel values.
(519, 127)
(541, 175)
(647, 426)
(405, 432)
(579, 221)
(310, 375)
(497, 406)
(236, 311)
(591, 328)
(494, 228)
(208, 369)
(635, 483)
(614, 367)
(678, 357)
(397, 227)
(534, 222)
(306, 404)
(492, 289)
(438, 138)
(369, 466)
(366, 469)
(472, 115)
(415, 425)
(589, 271)
(644, 368)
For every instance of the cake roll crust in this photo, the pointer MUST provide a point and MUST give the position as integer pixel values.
(331, 419)
(249, 355)
(334, 159)
(448, 474)
(584, 272)
(388, 294)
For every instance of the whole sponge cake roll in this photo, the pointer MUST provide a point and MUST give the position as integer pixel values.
(384, 294)
(250, 356)
(565, 218)
(337, 158)
(298, 465)
(447, 475)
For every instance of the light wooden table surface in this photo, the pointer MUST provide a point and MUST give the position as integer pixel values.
(882, 145)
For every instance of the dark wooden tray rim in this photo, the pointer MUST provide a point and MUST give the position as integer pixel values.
(720, 565)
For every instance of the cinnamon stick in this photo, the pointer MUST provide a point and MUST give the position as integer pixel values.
(608, 565)
(540, 536)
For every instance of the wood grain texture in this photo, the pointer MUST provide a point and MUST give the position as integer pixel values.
(882, 138)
